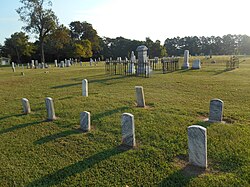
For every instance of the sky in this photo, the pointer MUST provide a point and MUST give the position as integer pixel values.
(138, 19)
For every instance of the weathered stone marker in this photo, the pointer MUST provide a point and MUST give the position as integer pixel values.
(196, 64)
(26, 106)
(50, 109)
(128, 130)
(85, 121)
(143, 65)
(215, 110)
(197, 145)
(186, 57)
(140, 96)
(85, 88)
(56, 63)
(13, 67)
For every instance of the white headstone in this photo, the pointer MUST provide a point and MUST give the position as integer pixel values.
(140, 96)
(91, 61)
(50, 109)
(197, 145)
(26, 106)
(55, 63)
(32, 63)
(196, 64)
(13, 67)
(85, 121)
(85, 87)
(133, 58)
(128, 130)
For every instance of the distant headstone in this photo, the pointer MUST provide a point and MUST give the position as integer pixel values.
(32, 64)
(216, 110)
(85, 87)
(85, 121)
(128, 130)
(80, 63)
(140, 96)
(50, 109)
(22, 66)
(68, 63)
(26, 106)
(197, 145)
(13, 67)
(91, 61)
(43, 65)
(133, 58)
(62, 64)
(28, 65)
(56, 63)
(186, 59)
(36, 64)
(196, 64)
(156, 60)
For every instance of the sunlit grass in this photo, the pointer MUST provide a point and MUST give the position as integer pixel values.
(34, 152)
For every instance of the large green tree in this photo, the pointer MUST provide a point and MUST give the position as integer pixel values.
(38, 19)
(17, 46)
(85, 31)
(57, 42)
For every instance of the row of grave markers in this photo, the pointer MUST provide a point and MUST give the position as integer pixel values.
(66, 63)
(197, 135)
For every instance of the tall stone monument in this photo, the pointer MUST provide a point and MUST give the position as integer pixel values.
(143, 65)
(186, 59)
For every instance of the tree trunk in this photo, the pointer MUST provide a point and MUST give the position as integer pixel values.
(42, 50)
(18, 56)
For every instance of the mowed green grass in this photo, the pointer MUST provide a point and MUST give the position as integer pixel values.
(34, 152)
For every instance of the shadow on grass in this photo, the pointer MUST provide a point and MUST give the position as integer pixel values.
(222, 71)
(56, 136)
(78, 167)
(105, 80)
(102, 81)
(203, 123)
(88, 77)
(183, 70)
(184, 175)
(64, 98)
(14, 115)
(65, 85)
(20, 126)
(109, 113)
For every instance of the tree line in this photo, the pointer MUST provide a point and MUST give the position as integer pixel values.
(226, 45)
(81, 41)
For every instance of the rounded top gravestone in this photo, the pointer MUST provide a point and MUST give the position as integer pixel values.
(141, 48)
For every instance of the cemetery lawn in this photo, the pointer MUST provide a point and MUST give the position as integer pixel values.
(35, 152)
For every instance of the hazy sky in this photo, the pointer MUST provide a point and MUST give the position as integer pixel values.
(138, 19)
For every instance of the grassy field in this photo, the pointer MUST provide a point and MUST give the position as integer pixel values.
(34, 152)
